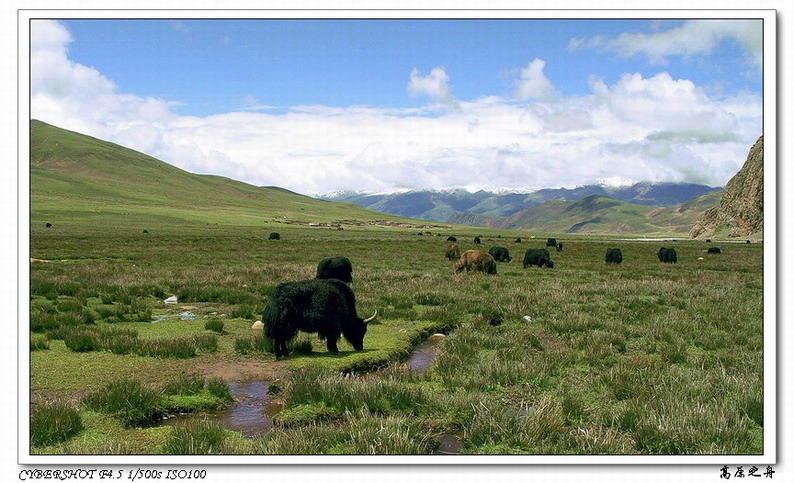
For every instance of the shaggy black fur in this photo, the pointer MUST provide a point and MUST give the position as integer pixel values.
(339, 268)
(325, 307)
(613, 255)
(539, 257)
(667, 255)
(500, 254)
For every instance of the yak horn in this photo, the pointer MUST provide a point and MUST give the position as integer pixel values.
(366, 321)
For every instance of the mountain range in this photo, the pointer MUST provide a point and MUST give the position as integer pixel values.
(457, 206)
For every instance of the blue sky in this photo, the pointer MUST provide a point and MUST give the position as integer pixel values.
(212, 66)
(381, 105)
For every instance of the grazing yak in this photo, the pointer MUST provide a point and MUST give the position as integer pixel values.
(714, 250)
(559, 247)
(517, 240)
(476, 240)
(452, 252)
(667, 255)
(500, 254)
(614, 255)
(325, 307)
(476, 260)
(551, 242)
(451, 239)
(274, 236)
(539, 257)
(339, 268)
(48, 225)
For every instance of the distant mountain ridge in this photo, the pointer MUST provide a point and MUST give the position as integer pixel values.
(457, 205)
(599, 214)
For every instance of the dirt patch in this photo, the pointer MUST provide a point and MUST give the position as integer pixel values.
(242, 369)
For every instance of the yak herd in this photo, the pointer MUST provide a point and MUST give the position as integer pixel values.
(326, 305)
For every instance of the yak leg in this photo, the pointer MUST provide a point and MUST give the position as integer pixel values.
(331, 344)
(281, 348)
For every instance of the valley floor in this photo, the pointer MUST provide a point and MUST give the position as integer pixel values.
(589, 358)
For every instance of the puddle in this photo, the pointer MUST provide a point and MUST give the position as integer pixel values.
(422, 355)
(448, 444)
(251, 415)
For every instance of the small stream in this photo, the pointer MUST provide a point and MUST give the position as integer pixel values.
(253, 411)
(251, 415)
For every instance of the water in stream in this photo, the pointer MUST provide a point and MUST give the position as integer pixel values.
(253, 411)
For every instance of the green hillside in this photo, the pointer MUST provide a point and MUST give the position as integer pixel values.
(77, 179)
(598, 214)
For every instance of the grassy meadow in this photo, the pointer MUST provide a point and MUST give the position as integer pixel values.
(640, 358)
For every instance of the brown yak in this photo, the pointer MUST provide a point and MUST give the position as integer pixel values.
(476, 260)
(452, 252)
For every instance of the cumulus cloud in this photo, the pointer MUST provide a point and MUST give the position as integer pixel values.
(434, 85)
(655, 128)
(533, 83)
(693, 37)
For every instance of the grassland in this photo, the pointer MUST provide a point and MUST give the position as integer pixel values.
(641, 358)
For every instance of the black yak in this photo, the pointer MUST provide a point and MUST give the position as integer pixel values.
(452, 252)
(325, 307)
(551, 242)
(500, 254)
(714, 250)
(559, 247)
(477, 261)
(339, 268)
(667, 255)
(146, 231)
(708, 240)
(476, 240)
(274, 236)
(48, 225)
(539, 257)
(420, 234)
(451, 239)
(613, 255)
(517, 240)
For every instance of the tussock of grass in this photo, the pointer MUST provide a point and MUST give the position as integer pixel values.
(38, 342)
(196, 437)
(215, 325)
(52, 423)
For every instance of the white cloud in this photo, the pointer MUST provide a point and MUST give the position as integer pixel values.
(693, 37)
(434, 85)
(642, 128)
(533, 83)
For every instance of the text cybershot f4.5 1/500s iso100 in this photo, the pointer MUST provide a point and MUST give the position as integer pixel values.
(114, 474)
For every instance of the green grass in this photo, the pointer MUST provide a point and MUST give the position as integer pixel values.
(52, 423)
(620, 339)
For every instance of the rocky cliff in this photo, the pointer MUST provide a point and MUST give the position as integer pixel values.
(741, 209)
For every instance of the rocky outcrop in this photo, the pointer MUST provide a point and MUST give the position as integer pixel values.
(741, 209)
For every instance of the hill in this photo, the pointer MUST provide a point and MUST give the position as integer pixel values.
(599, 214)
(482, 206)
(78, 178)
(741, 207)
